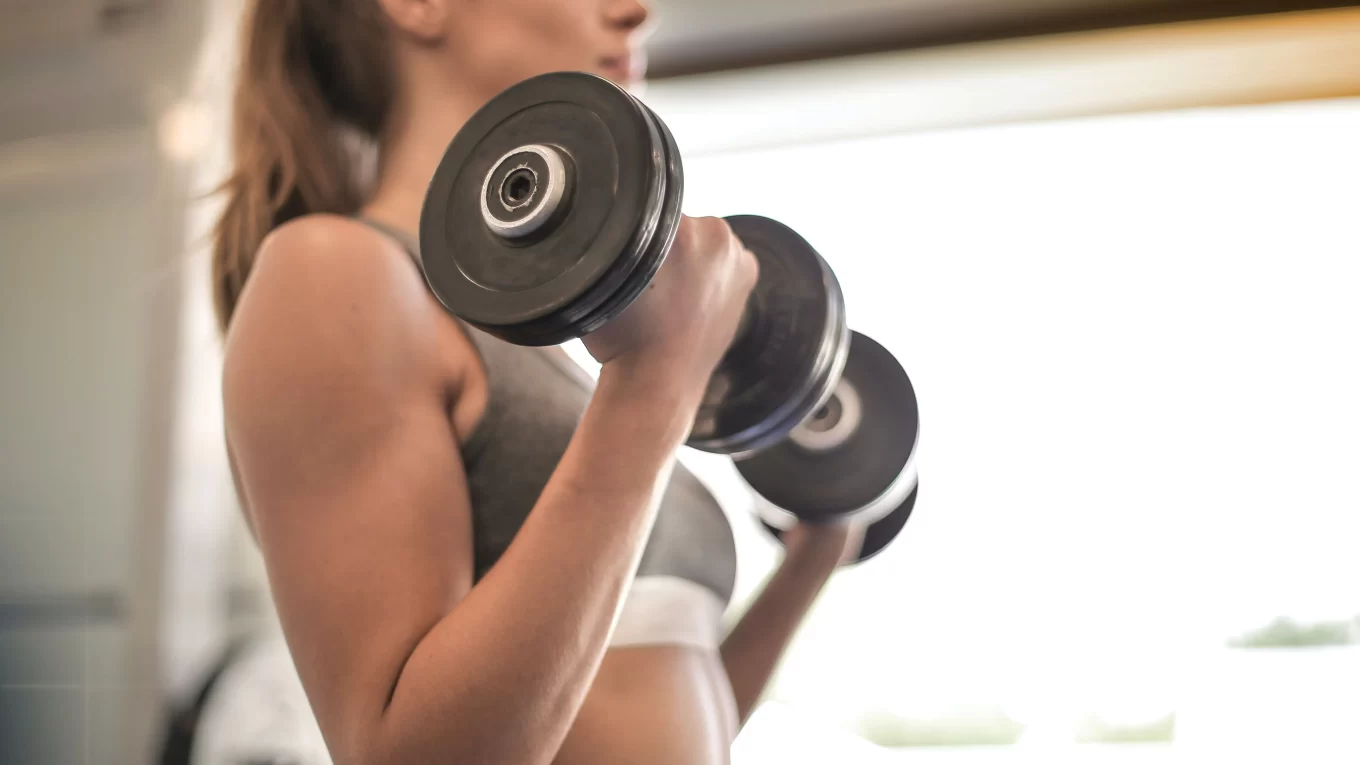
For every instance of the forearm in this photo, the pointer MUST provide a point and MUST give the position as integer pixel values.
(756, 644)
(500, 679)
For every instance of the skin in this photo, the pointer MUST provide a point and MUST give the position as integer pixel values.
(343, 433)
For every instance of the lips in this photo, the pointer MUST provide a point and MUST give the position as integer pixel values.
(626, 68)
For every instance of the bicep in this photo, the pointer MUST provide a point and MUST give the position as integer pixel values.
(363, 567)
(351, 473)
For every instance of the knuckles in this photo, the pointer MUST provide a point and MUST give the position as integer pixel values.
(710, 241)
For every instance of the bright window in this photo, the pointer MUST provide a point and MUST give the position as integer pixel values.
(1136, 341)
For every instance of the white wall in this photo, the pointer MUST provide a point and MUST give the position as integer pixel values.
(1133, 339)
(91, 218)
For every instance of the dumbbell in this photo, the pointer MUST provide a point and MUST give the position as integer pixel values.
(554, 207)
(853, 459)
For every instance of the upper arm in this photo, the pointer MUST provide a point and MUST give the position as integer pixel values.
(336, 403)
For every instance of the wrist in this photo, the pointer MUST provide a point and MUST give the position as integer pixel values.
(820, 549)
(797, 581)
(812, 560)
(652, 383)
(655, 394)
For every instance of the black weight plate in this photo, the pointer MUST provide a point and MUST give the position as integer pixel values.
(668, 223)
(787, 358)
(534, 291)
(854, 474)
(880, 534)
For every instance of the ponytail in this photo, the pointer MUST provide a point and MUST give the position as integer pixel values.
(310, 72)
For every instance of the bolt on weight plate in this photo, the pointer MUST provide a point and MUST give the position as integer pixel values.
(549, 207)
(788, 353)
(856, 455)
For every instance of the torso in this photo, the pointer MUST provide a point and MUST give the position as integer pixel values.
(661, 694)
(535, 398)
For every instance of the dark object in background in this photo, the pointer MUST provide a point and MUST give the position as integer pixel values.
(177, 748)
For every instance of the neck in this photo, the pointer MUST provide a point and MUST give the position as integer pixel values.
(417, 136)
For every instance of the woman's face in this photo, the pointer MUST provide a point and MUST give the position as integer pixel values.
(502, 42)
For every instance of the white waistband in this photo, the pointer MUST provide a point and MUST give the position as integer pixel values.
(669, 610)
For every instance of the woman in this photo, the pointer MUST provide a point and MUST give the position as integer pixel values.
(475, 555)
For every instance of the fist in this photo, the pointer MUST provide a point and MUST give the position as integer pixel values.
(828, 544)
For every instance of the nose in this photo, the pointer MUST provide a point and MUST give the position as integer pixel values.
(627, 15)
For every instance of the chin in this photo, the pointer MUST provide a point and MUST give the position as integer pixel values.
(627, 74)
(622, 79)
(633, 85)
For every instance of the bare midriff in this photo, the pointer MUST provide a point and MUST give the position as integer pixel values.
(662, 705)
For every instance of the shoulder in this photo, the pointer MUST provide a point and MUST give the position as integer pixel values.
(329, 296)
(326, 230)
(332, 252)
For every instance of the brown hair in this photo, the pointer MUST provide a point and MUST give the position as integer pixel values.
(309, 71)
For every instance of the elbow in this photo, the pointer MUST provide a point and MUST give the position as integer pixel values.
(360, 747)
(373, 749)
(376, 742)
(374, 746)
(379, 747)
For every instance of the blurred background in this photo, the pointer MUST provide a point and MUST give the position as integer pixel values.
(1116, 243)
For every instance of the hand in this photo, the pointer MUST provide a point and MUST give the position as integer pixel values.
(829, 544)
(686, 319)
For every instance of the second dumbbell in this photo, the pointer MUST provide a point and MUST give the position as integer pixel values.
(853, 460)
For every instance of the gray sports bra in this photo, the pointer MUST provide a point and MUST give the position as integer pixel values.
(535, 403)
